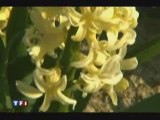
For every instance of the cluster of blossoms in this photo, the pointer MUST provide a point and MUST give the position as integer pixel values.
(101, 64)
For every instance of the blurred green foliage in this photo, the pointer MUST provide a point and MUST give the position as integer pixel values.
(151, 104)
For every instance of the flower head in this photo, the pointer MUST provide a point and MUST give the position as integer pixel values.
(43, 38)
(51, 84)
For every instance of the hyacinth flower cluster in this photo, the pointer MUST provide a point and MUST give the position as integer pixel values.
(104, 32)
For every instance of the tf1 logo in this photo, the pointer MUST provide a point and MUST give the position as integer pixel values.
(20, 103)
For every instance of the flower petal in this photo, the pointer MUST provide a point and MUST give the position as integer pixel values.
(46, 103)
(84, 62)
(89, 79)
(127, 38)
(112, 38)
(81, 33)
(113, 96)
(73, 16)
(107, 13)
(122, 85)
(90, 83)
(110, 91)
(62, 83)
(34, 51)
(100, 58)
(37, 19)
(123, 51)
(111, 67)
(65, 100)
(28, 90)
(91, 68)
(38, 79)
(85, 10)
(93, 87)
(129, 64)
(110, 72)
(131, 37)
(112, 80)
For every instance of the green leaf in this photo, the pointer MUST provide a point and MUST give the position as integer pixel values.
(17, 22)
(151, 104)
(1, 45)
(21, 50)
(146, 51)
(18, 70)
(149, 52)
(147, 34)
(69, 51)
(16, 48)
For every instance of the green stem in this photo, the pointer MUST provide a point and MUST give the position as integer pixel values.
(71, 48)
(64, 108)
(69, 51)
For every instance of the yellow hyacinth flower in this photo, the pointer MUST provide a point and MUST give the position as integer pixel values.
(123, 19)
(112, 90)
(96, 57)
(88, 20)
(42, 38)
(109, 74)
(49, 84)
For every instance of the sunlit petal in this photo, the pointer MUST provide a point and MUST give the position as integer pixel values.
(80, 35)
(113, 96)
(92, 68)
(100, 58)
(38, 79)
(93, 87)
(65, 100)
(122, 52)
(112, 66)
(110, 91)
(122, 85)
(129, 64)
(107, 13)
(84, 62)
(63, 83)
(73, 16)
(89, 79)
(112, 38)
(28, 90)
(127, 38)
(112, 80)
(46, 102)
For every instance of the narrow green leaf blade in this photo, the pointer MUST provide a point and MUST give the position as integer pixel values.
(17, 22)
(150, 52)
(145, 52)
(151, 104)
